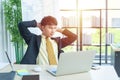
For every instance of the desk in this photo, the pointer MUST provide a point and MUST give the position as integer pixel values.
(104, 73)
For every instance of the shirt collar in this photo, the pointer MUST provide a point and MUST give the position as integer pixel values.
(43, 36)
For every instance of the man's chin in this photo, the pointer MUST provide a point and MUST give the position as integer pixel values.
(50, 36)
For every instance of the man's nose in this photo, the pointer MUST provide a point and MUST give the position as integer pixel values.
(53, 30)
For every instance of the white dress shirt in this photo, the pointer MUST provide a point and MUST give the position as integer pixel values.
(42, 58)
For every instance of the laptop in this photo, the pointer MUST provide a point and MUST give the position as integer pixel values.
(73, 62)
(11, 65)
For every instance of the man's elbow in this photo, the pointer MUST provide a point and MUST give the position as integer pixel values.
(75, 37)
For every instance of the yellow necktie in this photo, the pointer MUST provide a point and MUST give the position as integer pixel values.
(51, 56)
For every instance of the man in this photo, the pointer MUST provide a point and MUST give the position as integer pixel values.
(37, 51)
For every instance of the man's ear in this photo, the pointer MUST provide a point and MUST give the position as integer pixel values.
(41, 28)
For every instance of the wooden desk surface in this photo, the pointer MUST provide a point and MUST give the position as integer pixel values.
(104, 73)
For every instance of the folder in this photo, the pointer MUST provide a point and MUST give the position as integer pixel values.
(7, 75)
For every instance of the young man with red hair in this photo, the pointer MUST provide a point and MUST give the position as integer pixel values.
(37, 52)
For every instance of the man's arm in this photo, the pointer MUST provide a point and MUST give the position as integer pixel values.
(70, 37)
(23, 28)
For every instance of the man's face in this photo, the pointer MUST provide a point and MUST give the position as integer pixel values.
(49, 30)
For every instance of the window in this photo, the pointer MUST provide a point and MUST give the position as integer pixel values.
(96, 23)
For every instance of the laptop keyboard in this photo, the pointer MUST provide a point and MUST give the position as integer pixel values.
(54, 72)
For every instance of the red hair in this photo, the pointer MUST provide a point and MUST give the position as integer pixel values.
(48, 20)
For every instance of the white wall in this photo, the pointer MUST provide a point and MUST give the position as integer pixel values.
(37, 9)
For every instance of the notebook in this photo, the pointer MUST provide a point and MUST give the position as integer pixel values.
(73, 62)
(30, 77)
(8, 75)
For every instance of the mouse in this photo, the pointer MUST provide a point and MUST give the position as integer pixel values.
(95, 67)
(37, 69)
